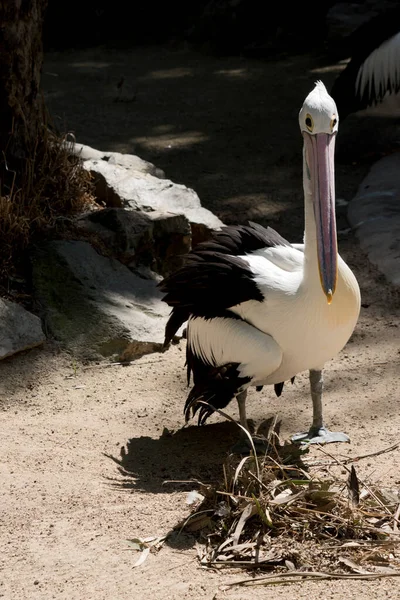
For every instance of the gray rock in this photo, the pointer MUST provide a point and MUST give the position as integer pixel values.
(129, 161)
(85, 152)
(139, 239)
(120, 187)
(374, 214)
(19, 329)
(95, 306)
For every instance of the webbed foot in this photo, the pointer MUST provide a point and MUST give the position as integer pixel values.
(320, 435)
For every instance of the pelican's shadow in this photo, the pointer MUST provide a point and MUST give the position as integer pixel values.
(179, 459)
(191, 453)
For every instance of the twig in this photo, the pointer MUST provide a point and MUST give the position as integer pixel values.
(239, 496)
(360, 543)
(199, 483)
(60, 444)
(125, 363)
(279, 466)
(377, 453)
(320, 513)
(336, 460)
(260, 482)
(298, 575)
(396, 520)
(347, 460)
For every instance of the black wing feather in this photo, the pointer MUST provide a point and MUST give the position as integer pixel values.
(214, 277)
(214, 386)
(242, 239)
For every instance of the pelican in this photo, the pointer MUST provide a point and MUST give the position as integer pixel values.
(260, 310)
(373, 73)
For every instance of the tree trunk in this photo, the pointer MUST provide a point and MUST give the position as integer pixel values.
(21, 58)
(39, 178)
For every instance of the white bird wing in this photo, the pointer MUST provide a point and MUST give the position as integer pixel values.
(287, 258)
(222, 341)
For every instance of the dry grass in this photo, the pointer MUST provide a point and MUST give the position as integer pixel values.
(296, 518)
(48, 186)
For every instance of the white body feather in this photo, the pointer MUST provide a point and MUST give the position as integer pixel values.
(294, 329)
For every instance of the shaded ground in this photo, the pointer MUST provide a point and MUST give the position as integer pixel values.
(86, 449)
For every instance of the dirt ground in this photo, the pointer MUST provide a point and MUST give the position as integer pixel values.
(86, 448)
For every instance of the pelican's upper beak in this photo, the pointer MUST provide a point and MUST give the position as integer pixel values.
(320, 150)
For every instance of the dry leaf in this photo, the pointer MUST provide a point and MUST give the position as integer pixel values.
(353, 487)
(352, 565)
(198, 522)
(249, 511)
(283, 497)
(136, 544)
(238, 470)
(142, 557)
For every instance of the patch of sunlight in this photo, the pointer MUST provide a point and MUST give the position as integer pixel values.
(168, 74)
(336, 68)
(240, 198)
(163, 128)
(91, 64)
(171, 141)
(234, 73)
(121, 147)
(258, 205)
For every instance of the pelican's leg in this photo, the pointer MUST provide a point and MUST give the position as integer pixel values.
(241, 400)
(243, 446)
(318, 433)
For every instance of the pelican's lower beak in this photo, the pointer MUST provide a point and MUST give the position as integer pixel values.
(320, 150)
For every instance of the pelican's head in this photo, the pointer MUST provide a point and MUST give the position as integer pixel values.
(319, 120)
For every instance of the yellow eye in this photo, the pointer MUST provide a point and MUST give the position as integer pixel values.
(333, 123)
(309, 122)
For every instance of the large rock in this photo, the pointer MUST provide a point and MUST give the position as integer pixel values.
(95, 306)
(374, 214)
(118, 186)
(139, 239)
(129, 161)
(19, 329)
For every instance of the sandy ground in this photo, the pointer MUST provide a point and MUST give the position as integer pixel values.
(86, 448)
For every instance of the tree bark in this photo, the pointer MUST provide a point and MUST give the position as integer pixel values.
(21, 58)
(40, 178)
